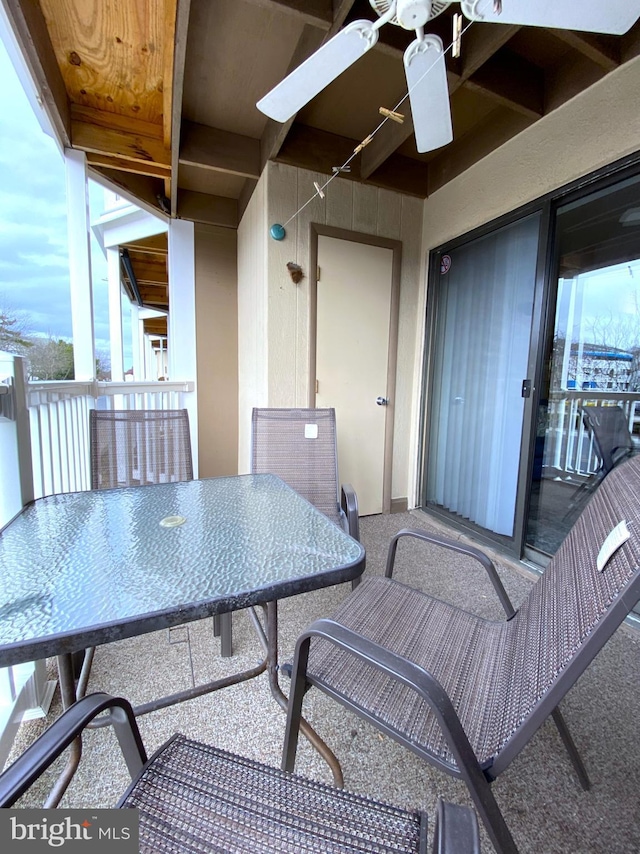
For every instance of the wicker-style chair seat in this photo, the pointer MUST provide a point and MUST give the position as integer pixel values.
(467, 693)
(194, 797)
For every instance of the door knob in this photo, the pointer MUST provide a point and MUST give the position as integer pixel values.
(382, 401)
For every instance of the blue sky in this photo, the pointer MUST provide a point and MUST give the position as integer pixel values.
(34, 270)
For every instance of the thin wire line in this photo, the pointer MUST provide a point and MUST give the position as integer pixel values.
(339, 169)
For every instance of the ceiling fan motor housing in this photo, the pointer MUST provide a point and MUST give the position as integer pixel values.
(410, 14)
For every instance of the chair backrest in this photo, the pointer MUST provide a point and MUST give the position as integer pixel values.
(574, 607)
(610, 430)
(138, 447)
(299, 445)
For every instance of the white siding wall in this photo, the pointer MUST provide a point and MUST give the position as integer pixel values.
(285, 340)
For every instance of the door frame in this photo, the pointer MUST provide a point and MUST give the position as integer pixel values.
(319, 230)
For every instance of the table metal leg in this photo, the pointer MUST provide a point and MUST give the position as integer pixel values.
(305, 728)
(68, 692)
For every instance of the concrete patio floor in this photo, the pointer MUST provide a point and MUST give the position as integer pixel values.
(544, 806)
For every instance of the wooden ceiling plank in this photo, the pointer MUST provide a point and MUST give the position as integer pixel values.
(202, 207)
(155, 244)
(86, 136)
(496, 129)
(310, 40)
(110, 54)
(179, 61)
(209, 148)
(115, 121)
(30, 29)
(138, 168)
(169, 38)
(603, 50)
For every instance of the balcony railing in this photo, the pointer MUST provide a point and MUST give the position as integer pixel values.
(569, 447)
(59, 423)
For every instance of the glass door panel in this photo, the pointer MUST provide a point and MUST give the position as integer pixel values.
(588, 416)
(484, 305)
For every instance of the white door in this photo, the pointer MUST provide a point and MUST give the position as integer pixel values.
(352, 358)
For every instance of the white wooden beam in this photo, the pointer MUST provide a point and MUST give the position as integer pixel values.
(115, 315)
(181, 324)
(78, 223)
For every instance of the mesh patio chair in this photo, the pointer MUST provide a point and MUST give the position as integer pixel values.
(608, 427)
(193, 797)
(300, 446)
(137, 447)
(466, 693)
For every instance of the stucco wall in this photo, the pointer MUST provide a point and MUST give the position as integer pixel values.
(274, 345)
(217, 349)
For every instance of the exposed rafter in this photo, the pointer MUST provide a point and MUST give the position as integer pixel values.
(481, 42)
(310, 40)
(208, 148)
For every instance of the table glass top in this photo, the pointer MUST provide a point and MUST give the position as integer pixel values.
(91, 560)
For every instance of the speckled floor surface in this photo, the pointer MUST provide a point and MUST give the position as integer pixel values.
(546, 810)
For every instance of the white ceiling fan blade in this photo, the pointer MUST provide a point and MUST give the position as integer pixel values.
(320, 69)
(426, 73)
(595, 16)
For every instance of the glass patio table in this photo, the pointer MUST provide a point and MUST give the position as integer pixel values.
(82, 569)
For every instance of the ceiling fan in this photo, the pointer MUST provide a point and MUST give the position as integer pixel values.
(424, 59)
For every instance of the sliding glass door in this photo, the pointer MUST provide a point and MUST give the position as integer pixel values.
(589, 406)
(484, 300)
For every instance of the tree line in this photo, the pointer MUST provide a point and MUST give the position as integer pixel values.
(48, 358)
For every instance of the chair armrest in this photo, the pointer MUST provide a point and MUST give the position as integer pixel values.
(349, 505)
(396, 667)
(15, 781)
(456, 546)
(456, 830)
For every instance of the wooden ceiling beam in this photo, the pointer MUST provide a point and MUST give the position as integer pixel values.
(139, 187)
(220, 151)
(603, 50)
(316, 12)
(152, 170)
(310, 40)
(496, 129)
(318, 151)
(479, 45)
(512, 82)
(155, 244)
(209, 209)
(179, 60)
(121, 145)
(30, 29)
